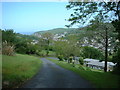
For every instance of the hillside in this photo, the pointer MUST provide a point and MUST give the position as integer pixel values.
(62, 32)
(30, 37)
(58, 31)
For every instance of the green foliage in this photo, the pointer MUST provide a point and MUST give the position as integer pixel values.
(70, 59)
(116, 59)
(81, 60)
(60, 57)
(116, 24)
(83, 11)
(65, 48)
(9, 36)
(110, 58)
(29, 37)
(65, 58)
(43, 53)
(91, 52)
(47, 39)
(25, 47)
(19, 68)
(22, 43)
(21, 46)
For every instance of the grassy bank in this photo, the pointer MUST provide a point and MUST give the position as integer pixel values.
(19, 68)
(99, 79)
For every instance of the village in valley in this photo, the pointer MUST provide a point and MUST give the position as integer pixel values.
(82, 54)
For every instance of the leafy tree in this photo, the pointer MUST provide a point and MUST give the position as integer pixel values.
(91, 52)
(70, 59)
(66, 48)
(47, 38)
(81, 61)
(116, 58)
(18, 43)
(9, 36)
(105, 32)
(85, 11)
(21, 46)
(0, 41)
(59, 47)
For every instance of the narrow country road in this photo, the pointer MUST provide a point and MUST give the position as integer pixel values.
(53, 76)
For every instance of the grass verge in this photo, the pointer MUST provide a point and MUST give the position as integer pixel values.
(98, 79)
(19, 68)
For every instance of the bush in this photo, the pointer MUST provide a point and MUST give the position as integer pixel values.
(116, 59)
(60, 57)
(81, 60)
(91, 52)
(7, 49)
(70, 59)
(65, 58)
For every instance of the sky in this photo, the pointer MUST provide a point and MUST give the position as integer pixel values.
(25, 17)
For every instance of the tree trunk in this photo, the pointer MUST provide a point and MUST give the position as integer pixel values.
(106, 49)
(48, 48)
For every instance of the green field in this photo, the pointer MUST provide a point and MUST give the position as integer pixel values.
(19, 68)
(99, 79)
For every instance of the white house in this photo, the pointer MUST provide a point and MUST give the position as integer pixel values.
(96, 64)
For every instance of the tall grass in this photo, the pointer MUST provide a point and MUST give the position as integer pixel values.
(17, 69)
(99, 79)
(8, 49)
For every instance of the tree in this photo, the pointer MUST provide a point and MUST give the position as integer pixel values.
(47, 37)
(9, 36)
(0, 41)
(91, 52)
(116, 58)
(66, 49)
(81, 61)
(105, 31)
(86, 11)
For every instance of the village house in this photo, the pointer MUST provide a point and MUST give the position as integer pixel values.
(96, 64)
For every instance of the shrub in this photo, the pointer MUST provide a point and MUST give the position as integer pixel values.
(81, 60)
(7, 49)
(60, 57)
(65, 58)
(70, 59)
(116, 59)
(91, 52)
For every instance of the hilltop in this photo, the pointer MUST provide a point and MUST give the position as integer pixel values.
(58, 30)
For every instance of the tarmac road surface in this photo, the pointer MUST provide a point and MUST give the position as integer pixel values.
(54, 76)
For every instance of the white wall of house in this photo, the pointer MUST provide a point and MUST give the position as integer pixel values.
(96, 64)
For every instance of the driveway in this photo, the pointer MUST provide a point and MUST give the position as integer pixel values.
(54, 76)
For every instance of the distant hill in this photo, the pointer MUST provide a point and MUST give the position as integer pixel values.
(58, 31)
(62, 31)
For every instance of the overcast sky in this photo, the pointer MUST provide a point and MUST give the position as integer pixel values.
(34, 16)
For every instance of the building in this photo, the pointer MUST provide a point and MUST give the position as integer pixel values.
(96, 64)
